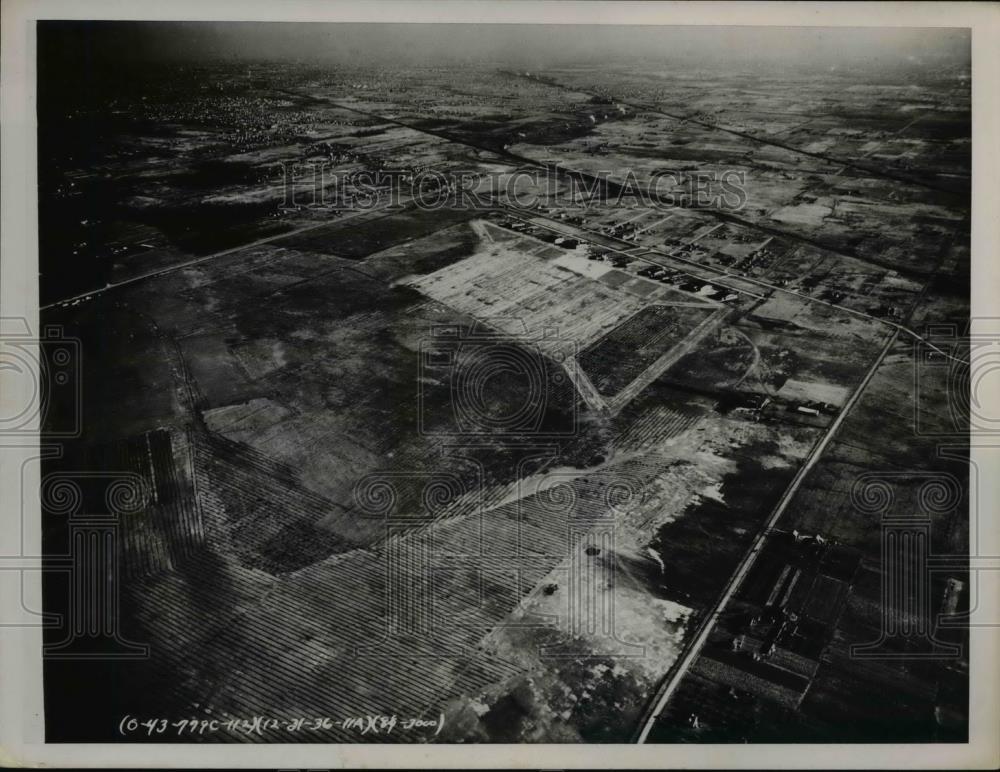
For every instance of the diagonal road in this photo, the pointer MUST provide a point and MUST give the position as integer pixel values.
(206, 258)
(673, 680)
(723, 216)
(621, 191)
(715, 273)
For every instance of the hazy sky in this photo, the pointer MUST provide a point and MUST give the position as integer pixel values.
(514, 44)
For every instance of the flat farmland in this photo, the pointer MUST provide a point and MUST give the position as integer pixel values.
(524, 295)
(500, 464)
(358, 241)
(623, 354)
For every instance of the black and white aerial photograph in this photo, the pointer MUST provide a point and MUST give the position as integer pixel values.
(455, 383)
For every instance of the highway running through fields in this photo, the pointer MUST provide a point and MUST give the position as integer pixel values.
(674, 677)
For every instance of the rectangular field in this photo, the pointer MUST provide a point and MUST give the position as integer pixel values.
(527, 296)
(623, 354)
(357, 240)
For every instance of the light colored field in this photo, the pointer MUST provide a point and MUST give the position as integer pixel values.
(818, 318)
(803, 214)
(578, 264)
(562, 304)
(813, 391)
(524, 295)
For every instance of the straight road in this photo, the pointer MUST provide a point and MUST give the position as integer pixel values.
(610, 185)
(723, 216)
(188, 263)
(661, 365)
(673, 680)
(585, 235)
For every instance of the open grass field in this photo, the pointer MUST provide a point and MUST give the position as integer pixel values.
(359, 241)
(623, 354)
(524, 295)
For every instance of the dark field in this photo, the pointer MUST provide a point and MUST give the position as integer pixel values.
(621, 355)
(359, 241)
